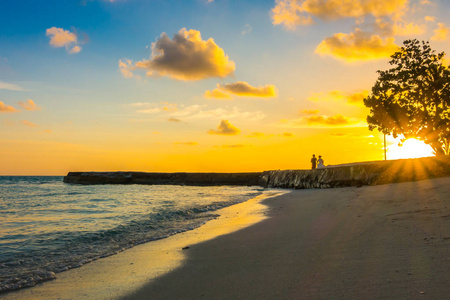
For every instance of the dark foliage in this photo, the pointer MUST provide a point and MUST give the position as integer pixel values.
(413, 98)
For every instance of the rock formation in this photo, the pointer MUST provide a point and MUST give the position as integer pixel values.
(196, 179)
(369, 173)
(356, 174)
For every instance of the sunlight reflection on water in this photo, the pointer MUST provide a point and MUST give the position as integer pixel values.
(49, 226)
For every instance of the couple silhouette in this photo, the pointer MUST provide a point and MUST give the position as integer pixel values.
(317, 163)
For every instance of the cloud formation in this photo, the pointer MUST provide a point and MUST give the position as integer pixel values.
(27, 123)
(442, 33)
(75, 49)
(217, 94)
(126, 67)
(225, 128)
(153, 108)
(10, 86)
(63, 38)
(377, 23)
(29, 105)
(337, 120)
(405, 29)
(291, 13)
(357, 46)
(185, 57)
(322, 121)
(351, 98)
(196, 112)
(288, 13)
(6, 108)
(241, 89)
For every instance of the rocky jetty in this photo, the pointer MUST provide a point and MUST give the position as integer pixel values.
(358, 174)
(195, 179)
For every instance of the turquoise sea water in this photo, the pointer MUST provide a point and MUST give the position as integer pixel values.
(47, 226)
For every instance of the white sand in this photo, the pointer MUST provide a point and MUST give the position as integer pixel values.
(378, 242)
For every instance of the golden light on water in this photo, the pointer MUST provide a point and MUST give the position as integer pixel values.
(411, 148)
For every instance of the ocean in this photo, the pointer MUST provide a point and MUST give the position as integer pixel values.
(47, 226)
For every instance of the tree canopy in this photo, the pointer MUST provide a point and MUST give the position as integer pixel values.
(413, 98)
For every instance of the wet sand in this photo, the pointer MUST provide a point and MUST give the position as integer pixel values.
(375, 242)
(123, 273)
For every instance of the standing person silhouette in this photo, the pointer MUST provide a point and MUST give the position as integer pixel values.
(320, 164)
(313, 162)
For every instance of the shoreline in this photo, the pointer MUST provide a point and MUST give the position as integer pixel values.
(375, 242)
(124, 272)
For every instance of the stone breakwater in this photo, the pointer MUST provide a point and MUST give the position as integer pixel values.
(356, 174)
(195, 179)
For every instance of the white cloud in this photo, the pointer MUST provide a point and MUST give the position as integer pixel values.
(196, 112)
(10, 86)
(63, 38)
(185, 57)
(153, 108)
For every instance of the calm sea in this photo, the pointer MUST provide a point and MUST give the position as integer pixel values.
(47, 226)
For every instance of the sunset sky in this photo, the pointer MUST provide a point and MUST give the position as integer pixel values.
(201, 85)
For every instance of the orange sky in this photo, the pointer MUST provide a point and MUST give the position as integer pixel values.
(213, 86)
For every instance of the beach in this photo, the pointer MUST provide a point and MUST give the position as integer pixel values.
(124, 272)
(372, 242)
(377, 242)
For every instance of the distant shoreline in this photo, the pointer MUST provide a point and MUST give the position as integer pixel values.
(180, 178)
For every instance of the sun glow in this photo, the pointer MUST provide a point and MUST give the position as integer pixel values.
(411, 148)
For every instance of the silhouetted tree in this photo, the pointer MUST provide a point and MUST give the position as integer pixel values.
(413, 98)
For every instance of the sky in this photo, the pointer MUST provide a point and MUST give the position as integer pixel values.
(198, 86)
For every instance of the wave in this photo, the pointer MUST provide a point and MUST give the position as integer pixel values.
(56, 252)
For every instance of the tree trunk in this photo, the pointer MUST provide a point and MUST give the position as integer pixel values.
(437, 148)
